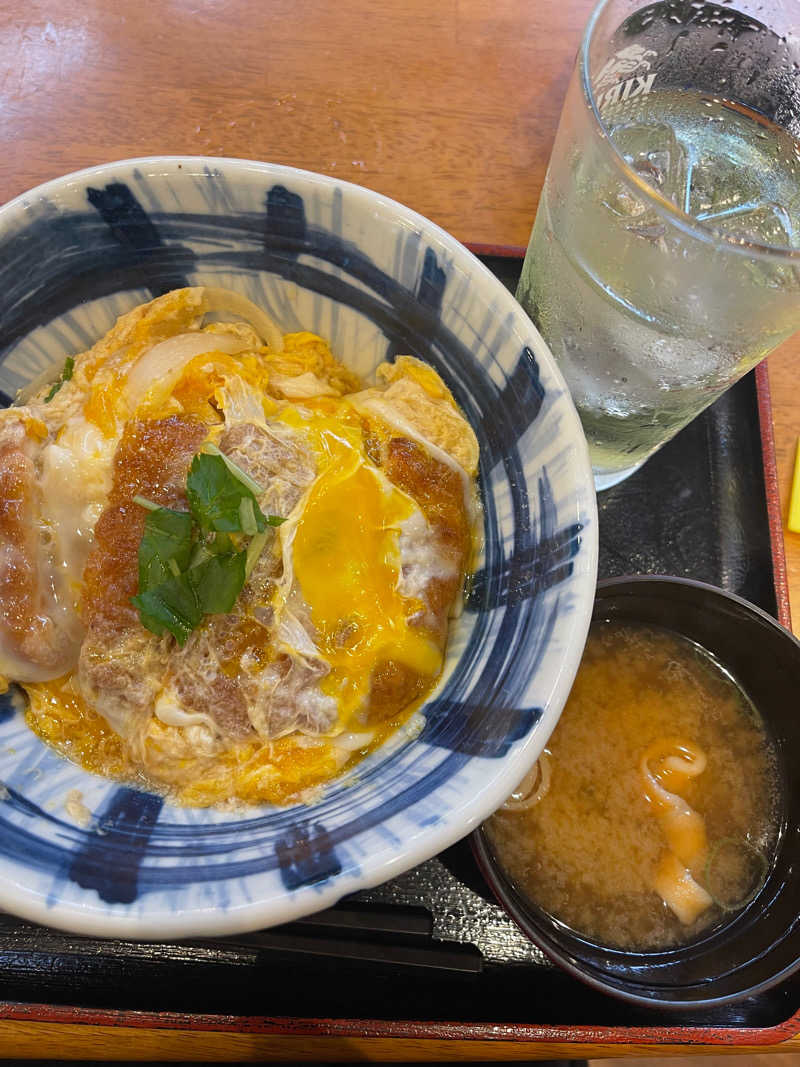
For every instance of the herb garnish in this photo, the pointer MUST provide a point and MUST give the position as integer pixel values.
(66, 374)
(195, 563)
(167, 538)
(216, 497)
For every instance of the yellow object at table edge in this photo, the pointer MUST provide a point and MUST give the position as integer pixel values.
(793, 522)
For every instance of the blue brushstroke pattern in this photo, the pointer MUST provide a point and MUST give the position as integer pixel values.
(131, 226)
(286, 217)
(123, 247)
(306, 856)
(108, 862)
(466, 728)
(7, 709)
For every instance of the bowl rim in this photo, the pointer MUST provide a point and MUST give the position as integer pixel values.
(261, 913)
(674, 579)
(495, 877)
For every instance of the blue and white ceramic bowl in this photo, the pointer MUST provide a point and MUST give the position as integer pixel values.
(376, 279)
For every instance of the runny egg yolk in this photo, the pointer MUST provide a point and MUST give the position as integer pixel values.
(346, 559)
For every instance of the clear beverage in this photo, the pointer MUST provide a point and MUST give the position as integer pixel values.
(652, 312)
(642, 352)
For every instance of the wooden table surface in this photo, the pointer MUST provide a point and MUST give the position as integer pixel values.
(447, 105)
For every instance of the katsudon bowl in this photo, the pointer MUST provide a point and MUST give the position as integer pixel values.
(376, 280)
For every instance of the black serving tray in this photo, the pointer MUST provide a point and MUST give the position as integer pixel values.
(704, 508)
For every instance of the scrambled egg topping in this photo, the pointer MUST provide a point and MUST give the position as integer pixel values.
(340, 628)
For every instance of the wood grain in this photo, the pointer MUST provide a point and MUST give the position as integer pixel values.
(66, 1041)
(449, 106)
(754, 1059)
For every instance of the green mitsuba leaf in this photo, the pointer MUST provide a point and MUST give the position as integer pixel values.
(215, 496)
(218, 581)
(179, 603)
(172, 605)
(188, 563)
(167, 536)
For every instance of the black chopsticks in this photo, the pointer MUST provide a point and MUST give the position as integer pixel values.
(378, 934)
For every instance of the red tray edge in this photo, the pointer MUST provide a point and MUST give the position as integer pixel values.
(773, 495)
(501, 251)
(516, 1032)
(407, 1029)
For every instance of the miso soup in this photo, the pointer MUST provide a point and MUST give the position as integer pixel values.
(653, 812)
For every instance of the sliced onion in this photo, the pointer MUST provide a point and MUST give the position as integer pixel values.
(158, 369)
(354, 742)
(301, 386)
(293, 637)
(49, 376)
(172, 714)
(217, 299)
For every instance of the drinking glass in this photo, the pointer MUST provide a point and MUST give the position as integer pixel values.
(664, 262)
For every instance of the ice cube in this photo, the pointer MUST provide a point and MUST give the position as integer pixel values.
(764, 224)
(656, 154)
(720, 186)
(623, 203)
